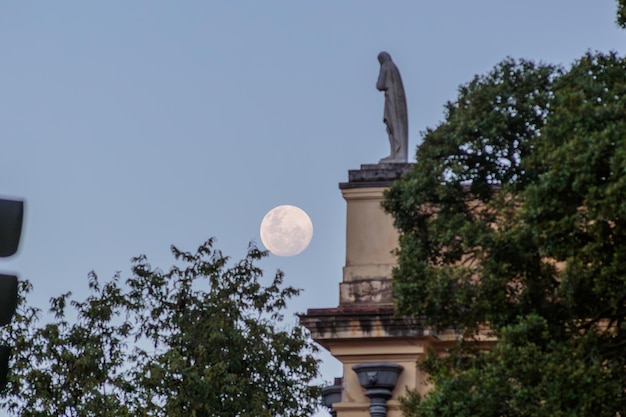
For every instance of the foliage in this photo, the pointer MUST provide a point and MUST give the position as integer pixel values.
(476, 155)
(201, 339)
(621, 13)
(515, 217)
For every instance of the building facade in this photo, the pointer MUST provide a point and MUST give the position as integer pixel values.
(379, 350)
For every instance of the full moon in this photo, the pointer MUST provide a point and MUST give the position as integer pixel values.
(286, 230)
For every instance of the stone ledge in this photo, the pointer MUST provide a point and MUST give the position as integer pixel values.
(352, 322)
(375, 175)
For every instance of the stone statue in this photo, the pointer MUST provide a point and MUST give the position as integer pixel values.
(395, 115)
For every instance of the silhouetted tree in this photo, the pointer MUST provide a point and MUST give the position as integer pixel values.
(202, 339)
(515, 218)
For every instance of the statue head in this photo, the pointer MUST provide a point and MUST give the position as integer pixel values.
(383, 57)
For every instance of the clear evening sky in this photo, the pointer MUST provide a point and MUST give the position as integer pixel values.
(131, 125)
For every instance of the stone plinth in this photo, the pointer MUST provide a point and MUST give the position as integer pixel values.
(371, 238)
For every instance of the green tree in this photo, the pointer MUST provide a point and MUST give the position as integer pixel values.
(202, 339)
(514, 217)
(621, 13)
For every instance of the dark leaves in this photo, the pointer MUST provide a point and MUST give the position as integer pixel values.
(514, 218)
(202, 339)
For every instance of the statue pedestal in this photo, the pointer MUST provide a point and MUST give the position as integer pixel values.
(363, 328)
(371, 238)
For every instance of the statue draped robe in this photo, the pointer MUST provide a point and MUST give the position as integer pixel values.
(395, 114)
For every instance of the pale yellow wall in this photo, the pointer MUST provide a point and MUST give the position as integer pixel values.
(370, 235)
(371, 241)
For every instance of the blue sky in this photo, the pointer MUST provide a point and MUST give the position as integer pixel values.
(130, 126)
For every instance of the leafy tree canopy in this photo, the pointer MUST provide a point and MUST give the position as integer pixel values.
(515, 217)
(202, 339)
(621, 13)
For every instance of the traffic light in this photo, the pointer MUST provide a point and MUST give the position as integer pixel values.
(11, 216)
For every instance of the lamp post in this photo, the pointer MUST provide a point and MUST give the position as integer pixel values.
(379, 380)
(331, 395)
